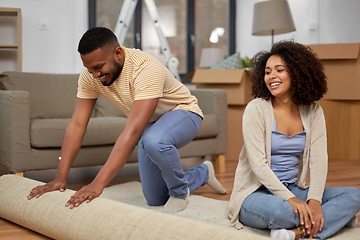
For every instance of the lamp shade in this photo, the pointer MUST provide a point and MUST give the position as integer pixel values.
(272, 17)
(210, 57)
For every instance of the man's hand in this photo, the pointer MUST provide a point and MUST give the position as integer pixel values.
(318, 220)
(306, 215)
(86, 193)
(49, 187)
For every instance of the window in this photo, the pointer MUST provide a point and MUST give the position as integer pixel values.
(172, 14)
(187, 25)
(107, 14)
(210, 26)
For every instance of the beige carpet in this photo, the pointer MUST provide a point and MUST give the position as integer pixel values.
(199, 208)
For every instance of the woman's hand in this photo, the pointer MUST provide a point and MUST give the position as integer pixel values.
(86, 193)
(306, 215)
(318, 220)
(49, 187)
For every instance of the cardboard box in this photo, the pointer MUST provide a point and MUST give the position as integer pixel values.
(235, 137)
(236, 82)
(343, 128)
(342, 67)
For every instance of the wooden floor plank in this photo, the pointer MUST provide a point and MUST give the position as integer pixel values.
(12, 231)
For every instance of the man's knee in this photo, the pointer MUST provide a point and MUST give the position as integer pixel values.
(150, 142)
(155, 199)
(155, 147)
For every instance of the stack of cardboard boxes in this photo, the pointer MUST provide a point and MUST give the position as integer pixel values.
(341, 104)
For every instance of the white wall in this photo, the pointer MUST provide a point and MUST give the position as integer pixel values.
(316, 21)
(53, 48)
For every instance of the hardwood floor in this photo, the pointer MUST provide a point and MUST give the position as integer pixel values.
(341, 173)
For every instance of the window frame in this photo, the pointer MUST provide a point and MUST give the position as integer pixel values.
(190, 30)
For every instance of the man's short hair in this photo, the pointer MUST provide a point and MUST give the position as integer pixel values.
(96, 38)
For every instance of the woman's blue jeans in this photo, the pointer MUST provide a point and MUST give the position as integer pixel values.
(160, 168)
(263, 210)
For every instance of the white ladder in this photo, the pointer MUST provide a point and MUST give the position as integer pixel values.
(123, 22)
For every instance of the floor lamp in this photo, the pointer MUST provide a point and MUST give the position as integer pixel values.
(272, 17)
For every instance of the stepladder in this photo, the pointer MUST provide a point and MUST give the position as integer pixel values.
(123, 22)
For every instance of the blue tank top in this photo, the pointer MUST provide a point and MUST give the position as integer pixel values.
(285, 154)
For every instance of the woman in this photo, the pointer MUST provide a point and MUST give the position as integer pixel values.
(284, 137)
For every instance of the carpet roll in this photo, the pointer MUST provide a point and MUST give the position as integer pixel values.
(100, 219)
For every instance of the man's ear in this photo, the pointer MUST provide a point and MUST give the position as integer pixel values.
(119, 53)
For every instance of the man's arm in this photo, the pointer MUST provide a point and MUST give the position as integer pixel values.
(138, 118)
(71, 145)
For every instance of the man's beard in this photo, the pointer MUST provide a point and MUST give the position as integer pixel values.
(118, 69)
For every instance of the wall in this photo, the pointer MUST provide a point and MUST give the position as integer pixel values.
(55, 49)
(51, 32)
(316, 21)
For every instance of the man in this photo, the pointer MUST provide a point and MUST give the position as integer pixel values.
(162, 116)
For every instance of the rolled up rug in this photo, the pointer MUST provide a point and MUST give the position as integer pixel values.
(100, 219)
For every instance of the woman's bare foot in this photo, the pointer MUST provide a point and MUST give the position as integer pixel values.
(299, 232)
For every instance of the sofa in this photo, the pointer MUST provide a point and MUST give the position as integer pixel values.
(35, 109)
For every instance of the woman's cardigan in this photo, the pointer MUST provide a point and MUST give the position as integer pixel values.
(253, 168)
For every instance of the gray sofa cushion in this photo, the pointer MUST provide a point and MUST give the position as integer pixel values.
(48, 133)
(209, 127)
(51, 95)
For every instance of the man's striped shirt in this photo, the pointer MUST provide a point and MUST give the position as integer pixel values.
(142, 77)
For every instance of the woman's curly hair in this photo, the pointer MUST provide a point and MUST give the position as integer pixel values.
(306, 72)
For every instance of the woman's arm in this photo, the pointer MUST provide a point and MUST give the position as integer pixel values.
(318, 161)
(318, 158)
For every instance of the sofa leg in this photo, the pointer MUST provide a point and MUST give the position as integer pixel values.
(21, 174)
(219, 161)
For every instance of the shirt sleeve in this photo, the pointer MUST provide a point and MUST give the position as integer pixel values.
(318, 155)
(86, 88)
(149, 83)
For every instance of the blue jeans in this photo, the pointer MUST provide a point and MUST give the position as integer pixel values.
(160, 168)
(263, 210)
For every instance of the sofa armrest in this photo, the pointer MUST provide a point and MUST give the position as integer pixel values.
(214, 102)
(14, 126)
